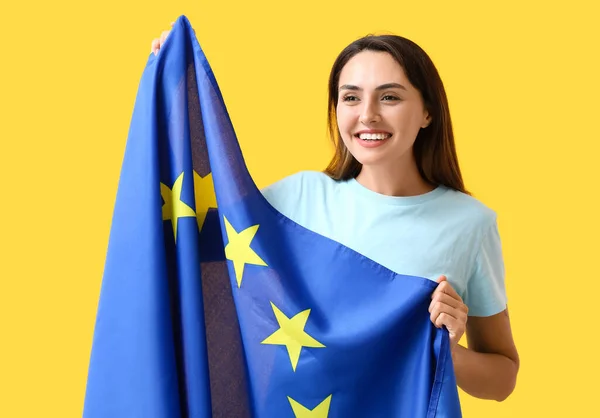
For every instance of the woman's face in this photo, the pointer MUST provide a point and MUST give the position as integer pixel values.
(379, 113)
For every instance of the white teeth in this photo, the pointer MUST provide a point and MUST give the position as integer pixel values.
(374, 136)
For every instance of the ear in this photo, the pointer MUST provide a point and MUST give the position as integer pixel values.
(426, 120)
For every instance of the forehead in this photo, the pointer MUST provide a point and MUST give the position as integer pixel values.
(372, 68)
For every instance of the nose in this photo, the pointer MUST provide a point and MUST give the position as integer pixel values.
(370, 113)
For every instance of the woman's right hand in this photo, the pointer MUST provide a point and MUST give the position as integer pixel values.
(157, 43)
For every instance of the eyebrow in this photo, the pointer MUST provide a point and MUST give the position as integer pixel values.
(382, 87)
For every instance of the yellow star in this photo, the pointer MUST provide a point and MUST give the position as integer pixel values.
(291, 334)
(238, 249)
(320, 411)
(204, 191)
(174, 208)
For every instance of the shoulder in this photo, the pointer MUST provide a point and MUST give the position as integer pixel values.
(467, 208)
(305, 188)
(299, 179)
(297, 184)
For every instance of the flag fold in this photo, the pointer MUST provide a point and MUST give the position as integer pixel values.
(214, 304)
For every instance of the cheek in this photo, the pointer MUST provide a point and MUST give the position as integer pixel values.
(408, 122)
(344, 130)
(345, 120)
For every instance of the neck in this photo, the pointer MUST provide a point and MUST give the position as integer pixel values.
(396, 180)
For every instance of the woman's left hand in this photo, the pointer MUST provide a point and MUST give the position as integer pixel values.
(447, 308)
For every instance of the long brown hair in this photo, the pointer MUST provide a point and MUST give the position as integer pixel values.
(434, 149)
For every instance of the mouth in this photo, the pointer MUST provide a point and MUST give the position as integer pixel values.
(372, 136)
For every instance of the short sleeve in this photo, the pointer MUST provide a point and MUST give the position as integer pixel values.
(486, 291)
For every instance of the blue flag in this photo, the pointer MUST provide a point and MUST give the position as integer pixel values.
(214, 304)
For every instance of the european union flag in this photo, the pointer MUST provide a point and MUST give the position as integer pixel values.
(213, 304)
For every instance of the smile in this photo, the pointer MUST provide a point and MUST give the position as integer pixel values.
(373, 137)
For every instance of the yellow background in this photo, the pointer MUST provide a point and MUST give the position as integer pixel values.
(522, 80)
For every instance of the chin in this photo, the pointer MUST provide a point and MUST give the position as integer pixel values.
(366, 157)
(370, 160)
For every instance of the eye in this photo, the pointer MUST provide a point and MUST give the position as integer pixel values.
(349, 98)
(389, 97)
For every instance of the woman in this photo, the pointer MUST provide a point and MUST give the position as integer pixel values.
(394, 192)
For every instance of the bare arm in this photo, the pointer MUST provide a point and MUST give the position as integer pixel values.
(488, 368)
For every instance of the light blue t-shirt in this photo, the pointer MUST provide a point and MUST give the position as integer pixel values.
(440, 232)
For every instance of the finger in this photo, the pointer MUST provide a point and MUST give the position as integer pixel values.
(459, 315)
(446, 287)
(450, 305)
(451, 323)
(163, 37)
(452, 319)
(440, 309)
(155, 46)
(446, 299)
(443, 293)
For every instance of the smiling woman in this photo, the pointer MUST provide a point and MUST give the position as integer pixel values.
(393, 191)
(378, 123)
(411, 94)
